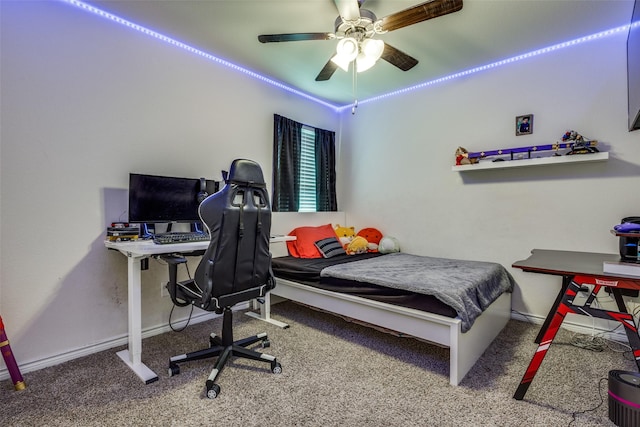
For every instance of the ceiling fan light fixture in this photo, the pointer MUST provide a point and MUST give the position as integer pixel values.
(347, 51)
(347, 48)
(372, 48)
(370, 52)
(364, 62)
(341, 62)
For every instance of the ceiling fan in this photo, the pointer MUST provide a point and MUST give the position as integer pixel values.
(355, 29)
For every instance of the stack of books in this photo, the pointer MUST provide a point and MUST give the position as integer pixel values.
(122, 232)
(627, 268)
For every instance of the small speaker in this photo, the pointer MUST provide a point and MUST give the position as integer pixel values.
(624, 398)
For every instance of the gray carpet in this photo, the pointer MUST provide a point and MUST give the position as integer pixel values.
(335, 373)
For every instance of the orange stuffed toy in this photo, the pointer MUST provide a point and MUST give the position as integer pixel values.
(373, 237)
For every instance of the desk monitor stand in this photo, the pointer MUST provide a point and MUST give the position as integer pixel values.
(197, 227)
(147, 230)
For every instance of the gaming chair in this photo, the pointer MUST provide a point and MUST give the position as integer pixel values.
(236, 267)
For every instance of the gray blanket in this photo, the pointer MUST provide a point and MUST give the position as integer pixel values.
(468, 287)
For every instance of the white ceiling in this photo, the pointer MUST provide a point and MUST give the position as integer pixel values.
(484, 31)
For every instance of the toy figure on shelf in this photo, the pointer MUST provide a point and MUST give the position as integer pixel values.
(462, 157)
(580, 145)
(572, 135)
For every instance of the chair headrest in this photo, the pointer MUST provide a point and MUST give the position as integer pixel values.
(246, 172)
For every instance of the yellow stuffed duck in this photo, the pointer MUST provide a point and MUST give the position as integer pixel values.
(358, 245)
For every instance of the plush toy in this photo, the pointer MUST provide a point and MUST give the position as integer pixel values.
(388, 245)
(345, 234)
(358, 245)
(373, 237)
(462, 157)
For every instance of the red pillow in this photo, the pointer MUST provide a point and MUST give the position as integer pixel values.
(306, 237)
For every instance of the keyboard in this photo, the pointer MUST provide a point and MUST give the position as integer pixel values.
(179, 237)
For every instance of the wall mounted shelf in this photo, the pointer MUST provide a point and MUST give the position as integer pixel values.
(552, 160)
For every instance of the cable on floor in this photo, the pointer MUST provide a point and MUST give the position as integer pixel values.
(576, 413)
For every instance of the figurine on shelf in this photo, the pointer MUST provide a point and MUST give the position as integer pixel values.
(462, 157)
(581, 145)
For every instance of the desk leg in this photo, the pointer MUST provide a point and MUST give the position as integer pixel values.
(548, 334)
(622, 316)
(565, 284)
(629, 325)
(265, 313)
(133, 355)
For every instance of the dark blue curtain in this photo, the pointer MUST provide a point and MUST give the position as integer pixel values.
(287, 138)
(326, 171)
(286, 164)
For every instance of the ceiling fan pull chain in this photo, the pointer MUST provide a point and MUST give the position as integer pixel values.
(355, 89)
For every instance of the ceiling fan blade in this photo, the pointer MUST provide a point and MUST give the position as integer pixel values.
(398, 58)
(295, 37)
(418, 13)
(325, 74)
(349, 10)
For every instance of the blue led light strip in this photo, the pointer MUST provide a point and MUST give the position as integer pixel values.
(516, 58)
(255, 75)
(191, 49)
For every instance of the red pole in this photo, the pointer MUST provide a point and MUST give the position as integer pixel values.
(9, 360)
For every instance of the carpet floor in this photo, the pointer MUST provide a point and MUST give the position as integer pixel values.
(335, 373)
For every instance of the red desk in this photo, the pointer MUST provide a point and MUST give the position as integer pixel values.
(576, 269)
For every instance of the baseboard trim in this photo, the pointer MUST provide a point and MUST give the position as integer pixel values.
(618, 336)
(109, 344)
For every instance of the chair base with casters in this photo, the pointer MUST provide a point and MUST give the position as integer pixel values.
(224, 348)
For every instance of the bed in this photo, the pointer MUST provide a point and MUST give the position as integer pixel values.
(362, 294)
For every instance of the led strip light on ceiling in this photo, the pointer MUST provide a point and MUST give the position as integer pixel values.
(596, 36)
(169, 40)
(191, 49)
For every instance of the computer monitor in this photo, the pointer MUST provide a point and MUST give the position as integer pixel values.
(163, 199)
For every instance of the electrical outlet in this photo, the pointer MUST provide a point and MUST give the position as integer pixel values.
(163, 289)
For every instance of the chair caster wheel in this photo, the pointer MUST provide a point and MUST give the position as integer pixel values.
(213, 390)
(174, 369)
(276, 367)
(266, 343)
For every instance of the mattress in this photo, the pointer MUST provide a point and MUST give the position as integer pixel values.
(307, 271)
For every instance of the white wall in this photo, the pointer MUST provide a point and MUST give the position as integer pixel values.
(397, 155)
(84, 102)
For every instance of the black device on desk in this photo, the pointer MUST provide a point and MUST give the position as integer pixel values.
(157, 199)
(629, 241)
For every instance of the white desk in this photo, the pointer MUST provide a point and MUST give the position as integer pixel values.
(137, 251)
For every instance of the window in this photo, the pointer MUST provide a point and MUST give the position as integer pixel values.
(304, 178)
(307, 171)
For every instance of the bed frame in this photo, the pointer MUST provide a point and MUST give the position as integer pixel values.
(464, 348)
